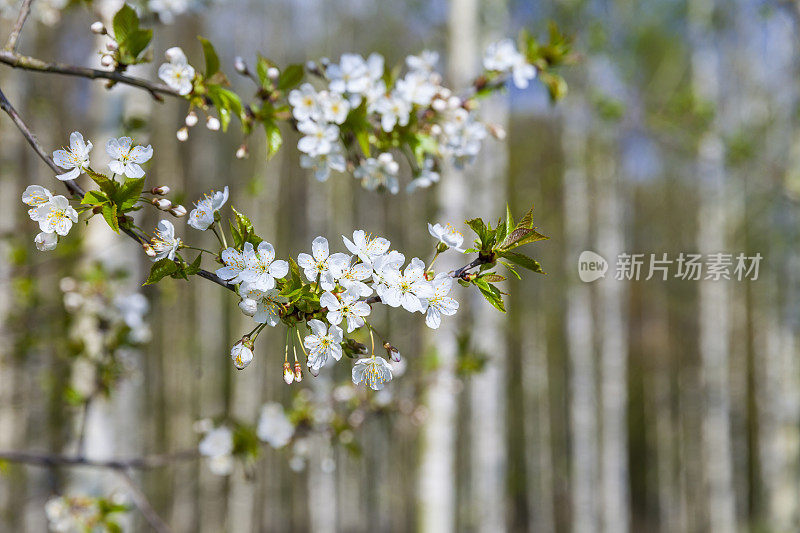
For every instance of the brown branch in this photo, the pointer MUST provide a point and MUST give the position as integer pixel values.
(141, 501)
(24, 11)
(13, 59)
(75, 189)
(146, 462)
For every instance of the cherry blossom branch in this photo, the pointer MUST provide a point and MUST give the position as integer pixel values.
(146, 462)
(141, 501)
(24, 11)
(76, 189)
(15, 60)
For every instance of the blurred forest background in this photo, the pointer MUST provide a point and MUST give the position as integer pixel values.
(613, 406)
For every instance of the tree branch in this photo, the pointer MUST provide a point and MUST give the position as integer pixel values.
(141, 501)
(146, 462)
(74, 188)
(24, 11)
(13, 59)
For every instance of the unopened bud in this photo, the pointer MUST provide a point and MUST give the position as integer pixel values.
(182, 134)
(241, 152)
(162, 203)
(191, 119)
(496, 131)
(248, 306)
(313, 371)
(394, 353)
(240, 65)
(178, 211)
(445, 93)
(298, 372)
(112, 46)
(107, 61)
(242, 352)
(311, 67)
(173, 53)
(212, 123)
(439, 105)
(148, 249)
(436, 129)
(161, 191)
(273, 73)
(98, 28)
(453, 102)
(288, 374)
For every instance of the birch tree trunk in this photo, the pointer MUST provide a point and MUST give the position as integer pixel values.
(437, 475)
(582, 389)
(713, 305)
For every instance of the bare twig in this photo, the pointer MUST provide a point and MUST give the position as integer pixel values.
(24, 11)
(145, 462)
(141, 501)
(16, 60)
(74, 188)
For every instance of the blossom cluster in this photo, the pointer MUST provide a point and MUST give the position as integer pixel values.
(68, 514)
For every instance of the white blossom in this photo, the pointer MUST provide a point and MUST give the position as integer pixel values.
(320, 263)
(318, 138)
(268, 304)
(168, 9)
(235, 264)
(366, 247)
(322, 343)
(75, 158)
(350, 75)
(56, 216)
(261, 266)
(351, 276)
(393, 110)
(322, 164)
(447, 235)
(34, 196)
(522, 73)
(416, 87)
(374, 371)
(379, 172)
(440, 303)
(177, 73)
(349, 308)
(334, 107)
(217, 445)
(304, 102)
(427, 176)
(126, 158)
(503, 56)
(425, 61)
(202, 216)
(407, 288)
(274, 427)
(165, 243)
(45, 241)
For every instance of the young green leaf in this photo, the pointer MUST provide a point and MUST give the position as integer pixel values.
(125, 22)
(522, 260)
(110, 214)
(211, 57)
(291, 77)
(161, 269)
(128, 194)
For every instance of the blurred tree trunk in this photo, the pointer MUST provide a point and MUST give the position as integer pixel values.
(713, 295)
(437, 475)
(580, 346)
(488, 389)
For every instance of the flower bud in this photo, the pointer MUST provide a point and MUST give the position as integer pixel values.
(248, 306)
(496, 131)
(439, 105)
(311, 66)
(436, 129)
(298, 372)
(445, 93)
(288, 374)
(178, 211)
(454, 102)
(161, 191)
(112, 46)
(240, 65)
(182, 134)
(173, 53)
(394, 353)
(242, 352)
(241, 152)
(162, 203)
(273, 73)
(191, 119)
(98, 28)
(107, 61)
(212, 123)
(313, 371)
(148, 249)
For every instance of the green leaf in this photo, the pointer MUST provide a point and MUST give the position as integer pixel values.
(362, 136)
(290, 77)
(110, 214)
(491, 293)
(194, 268)
(521, 236)
(492, 277)
(107, 185)
(262, 66)
(212, 59)
(527, 220)
(134, 45)
(522, 260)
(511, 269)
(509, 219)
(94, 198)
(274, 138)
(128, 194)
(125, 22)
(161, 269)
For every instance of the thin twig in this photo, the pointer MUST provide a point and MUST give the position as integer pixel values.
(137, 463)
(24, 11)
(16, 60)
(141, 501)
(74, 188)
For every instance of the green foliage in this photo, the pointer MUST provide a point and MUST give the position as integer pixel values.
(211, 57)
(131, 39)
(291, 77)
(161, 269)
(113, 200)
